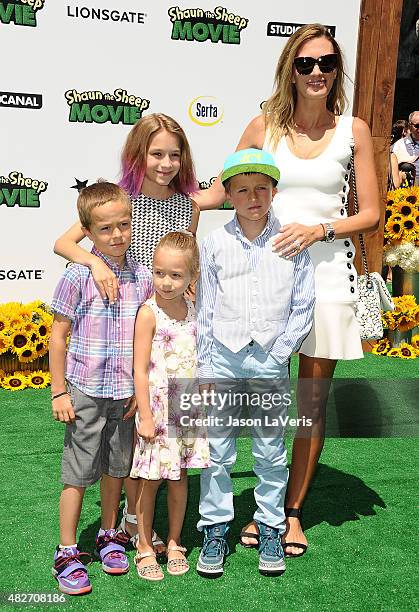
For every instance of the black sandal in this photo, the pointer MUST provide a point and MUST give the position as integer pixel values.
(294, 513)
(247, 534)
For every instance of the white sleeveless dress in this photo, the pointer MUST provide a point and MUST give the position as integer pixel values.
(312, 191)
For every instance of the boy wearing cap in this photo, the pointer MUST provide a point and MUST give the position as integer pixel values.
(254, 310)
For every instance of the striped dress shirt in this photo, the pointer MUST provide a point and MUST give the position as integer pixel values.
(100, 354)
(285, 293)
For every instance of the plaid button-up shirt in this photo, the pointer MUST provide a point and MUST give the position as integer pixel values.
(100, 354)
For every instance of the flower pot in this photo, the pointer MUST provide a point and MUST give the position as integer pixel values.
(396, 337)
(405, 283)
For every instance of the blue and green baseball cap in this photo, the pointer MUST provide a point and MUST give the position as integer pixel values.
(250, 160)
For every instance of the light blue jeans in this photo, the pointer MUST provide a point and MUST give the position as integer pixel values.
(251, 365)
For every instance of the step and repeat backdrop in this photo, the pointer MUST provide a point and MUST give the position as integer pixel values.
(77, 74)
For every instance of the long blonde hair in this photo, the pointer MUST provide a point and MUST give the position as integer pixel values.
(279, 110)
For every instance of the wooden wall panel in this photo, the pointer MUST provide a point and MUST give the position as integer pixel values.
(374, 94)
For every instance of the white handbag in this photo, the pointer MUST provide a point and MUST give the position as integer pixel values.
(373, 293)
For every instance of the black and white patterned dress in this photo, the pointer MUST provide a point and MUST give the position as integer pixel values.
(152, 219)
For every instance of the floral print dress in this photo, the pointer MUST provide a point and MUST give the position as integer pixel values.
(180, 441)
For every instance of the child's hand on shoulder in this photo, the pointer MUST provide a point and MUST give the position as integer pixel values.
(146, 429)
(62, 409)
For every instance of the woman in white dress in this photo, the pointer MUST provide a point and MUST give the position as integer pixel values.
(302, 126)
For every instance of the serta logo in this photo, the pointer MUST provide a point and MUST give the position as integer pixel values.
(200, 25)
(205, 110)
(20, 12)
(21, 274)
(98, 107)
(20, 100)
(17, 190)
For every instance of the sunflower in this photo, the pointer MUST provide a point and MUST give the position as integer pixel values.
(27, 354)
(404, 302)
(14, 382)
(29, 328)
(15, 322)
(393, 228)
(41, 348)
(4, 324)
(409, 225)
(404, 208)
(25, 313)
(382, 347)
(394, 352)
(413, 196)
(39, 379)
(406, 321)
(407, 351)
(2, 375)
(415, 341)
(18, 340)
(4, 344)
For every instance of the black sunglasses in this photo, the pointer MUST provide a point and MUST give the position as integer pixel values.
(326, 63)
(415, 125)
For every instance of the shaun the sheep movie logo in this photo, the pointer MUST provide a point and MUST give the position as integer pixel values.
(98, 107)
(201, 25)
(20, 12)
(17, 190)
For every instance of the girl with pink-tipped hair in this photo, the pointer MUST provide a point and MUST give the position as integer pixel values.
(157, 173)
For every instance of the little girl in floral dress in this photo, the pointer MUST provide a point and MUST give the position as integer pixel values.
(170, 433)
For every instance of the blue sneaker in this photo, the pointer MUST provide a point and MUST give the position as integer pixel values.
(70, 572)
(110, 548)
(214, 549)
(271, 555)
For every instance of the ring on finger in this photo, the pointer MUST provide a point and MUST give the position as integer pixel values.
(297, 244)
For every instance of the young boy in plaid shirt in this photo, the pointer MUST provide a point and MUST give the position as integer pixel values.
(92, 382)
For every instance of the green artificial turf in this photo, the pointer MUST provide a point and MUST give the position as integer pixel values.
(360, 520)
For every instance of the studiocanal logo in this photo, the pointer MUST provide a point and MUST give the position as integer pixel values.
(97, 107)
(20, 12)
(285, 29)
(20, 100)
(201, 25)
(205, 110)
(17, 190)
(105, 14)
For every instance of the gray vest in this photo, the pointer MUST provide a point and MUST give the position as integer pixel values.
(250, 305)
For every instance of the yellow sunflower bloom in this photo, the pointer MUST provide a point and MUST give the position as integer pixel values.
(41, 348)
(381, 348)
(28, 353)
(394, 352)
(407, 351)
(4, 324)
(404, 208)
(15, 322)
(18, 340)
(405, 301)
(409, 226)
(29, 328)
(14, 382)
(415, 341)
(4, 344)
(393, 229)
(39, 379)
(413, 196)
(406, 322)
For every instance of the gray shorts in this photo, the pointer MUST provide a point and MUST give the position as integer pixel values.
(99, 442)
